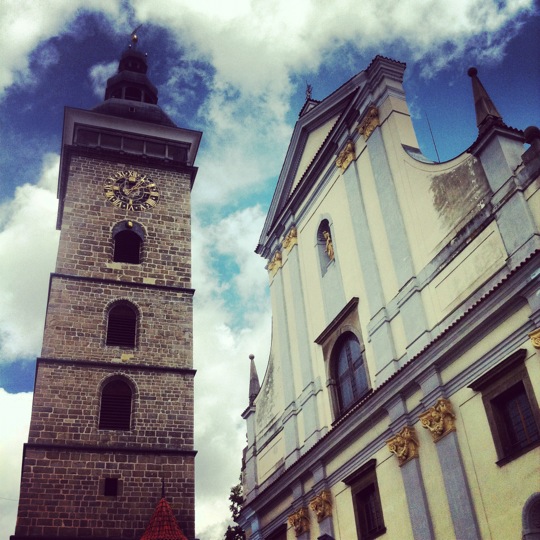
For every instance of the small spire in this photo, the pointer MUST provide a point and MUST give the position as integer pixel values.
(486, 112)
(163, 524)
(254, 385)
(309, 90)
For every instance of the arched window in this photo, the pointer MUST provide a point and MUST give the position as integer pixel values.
(325, 245)
(122, 325)
(115, 409)
(349, 371)
(128, 239)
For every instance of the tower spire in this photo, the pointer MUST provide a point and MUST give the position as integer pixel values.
(486, 112)
(254, 385)
(130, 93)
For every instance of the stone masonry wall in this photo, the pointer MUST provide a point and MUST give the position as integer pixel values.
(67, 401)
(62, 493)
(86, 244)
(76, 323)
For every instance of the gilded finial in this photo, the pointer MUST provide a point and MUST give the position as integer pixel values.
(134, 37)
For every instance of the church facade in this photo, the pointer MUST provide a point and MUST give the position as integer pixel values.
(400, 399)
(111, 432)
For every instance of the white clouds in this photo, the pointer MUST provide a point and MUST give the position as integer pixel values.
(14, 425)
(223, 341)
(28, 243)
(241, 58)
(26, 23)
(99, 74)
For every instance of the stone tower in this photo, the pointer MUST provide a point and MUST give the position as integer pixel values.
(112, 417)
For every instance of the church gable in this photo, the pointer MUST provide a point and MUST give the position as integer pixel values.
(312, 144)
(316, 129)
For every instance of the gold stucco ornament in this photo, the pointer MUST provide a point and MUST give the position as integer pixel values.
(404, 445)
(439, 419)
(535, 338)
(322, 505)
(275, 264)
(290, 239)
(346, 156)
(369, 122)
(299, 521)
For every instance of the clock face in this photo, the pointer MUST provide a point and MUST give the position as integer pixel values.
(131, 190)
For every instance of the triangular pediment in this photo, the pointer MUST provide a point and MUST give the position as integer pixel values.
(313, 134)
(313, 143)
(321, 130)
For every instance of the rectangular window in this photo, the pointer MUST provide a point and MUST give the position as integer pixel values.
(110, 487)
(177, 153)
(511, 407)
(86, 137)
(155, 149)
(367, 502)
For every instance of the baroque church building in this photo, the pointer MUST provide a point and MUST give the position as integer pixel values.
(110, 450)
(400, 399)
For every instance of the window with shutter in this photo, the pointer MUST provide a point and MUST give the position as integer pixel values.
(122, 326)
(115, 409)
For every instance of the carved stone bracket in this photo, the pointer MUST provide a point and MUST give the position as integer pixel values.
(299, 521)
(322, 505)
(369, 123)
(275, 264)
(404, 445)
(290, 239)
(346, 156)
(439, 419)
(535, 338)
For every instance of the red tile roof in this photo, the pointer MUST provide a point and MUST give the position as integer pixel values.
(163, 525)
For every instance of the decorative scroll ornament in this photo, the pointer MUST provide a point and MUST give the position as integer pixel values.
(369, 123)
(346, 156)
(299, 521)
(275, 264)
(404, 445)
(322, 505)
(535, 338)
(439, 419)
(290, 240)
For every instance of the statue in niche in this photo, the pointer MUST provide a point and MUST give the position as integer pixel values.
(329, 248)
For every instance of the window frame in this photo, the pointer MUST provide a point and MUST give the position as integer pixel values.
(108, 337)
(360, 481)
(131, 228)
(129, 423)
(103, 487)
(339, 345)
(494, 386)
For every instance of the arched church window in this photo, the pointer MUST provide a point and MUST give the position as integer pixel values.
(325, 245)
(128, 241)
(122, 325)
(349, 371)
(115, 407)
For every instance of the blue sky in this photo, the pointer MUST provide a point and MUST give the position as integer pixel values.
(236, 70)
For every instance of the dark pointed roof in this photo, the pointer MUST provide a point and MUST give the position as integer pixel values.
(486, 112)
(130, 93)
(163, 525)
(254, 385)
